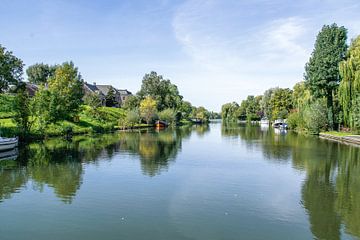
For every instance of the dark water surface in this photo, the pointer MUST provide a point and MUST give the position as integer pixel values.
(202, 182)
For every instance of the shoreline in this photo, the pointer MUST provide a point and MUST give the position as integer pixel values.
(349, 139)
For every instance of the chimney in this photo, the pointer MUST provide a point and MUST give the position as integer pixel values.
(94, 83)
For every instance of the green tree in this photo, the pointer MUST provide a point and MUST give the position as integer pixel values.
(168, 115)
(63, 96)
(148, 109)
(265, 104)
(349, 88)
(322, 70)
(281, 103)
(22, 108)
(131, 102)
(163, 91)
(110, 97)
(301, 96)
(185, 109)
(315, 117)
(39, 73)
(230, 111)
(11, 69)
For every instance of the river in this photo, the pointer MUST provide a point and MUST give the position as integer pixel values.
(206, 182)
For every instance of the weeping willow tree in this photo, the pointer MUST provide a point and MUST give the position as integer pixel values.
(349, 88)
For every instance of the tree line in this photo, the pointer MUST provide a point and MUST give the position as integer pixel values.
(159, 99)
(60, 97)
(328, 98)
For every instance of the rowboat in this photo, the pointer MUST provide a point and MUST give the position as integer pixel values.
(9, 154)
(8, 143)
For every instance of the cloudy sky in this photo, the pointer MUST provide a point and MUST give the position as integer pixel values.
(216, 51)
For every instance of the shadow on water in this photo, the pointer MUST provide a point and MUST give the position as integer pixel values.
(331, 190)
(58, 163)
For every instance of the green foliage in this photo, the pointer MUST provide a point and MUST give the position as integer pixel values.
(62, 99)
(23, 110)
(168, 115)
(132, 102)
(265, 104)
(110, 98)
(185, 109)
(148, 109)
(93, 100)
(11, 69)
(230, 111)
(162, 91)
(349, 88)
(295, 121)
(322, 70)
(132, 117)
(315, 117)
(281, 103)
(355, 114)
(301, 96)
(6, 106)
(201, 114)
(39, 73)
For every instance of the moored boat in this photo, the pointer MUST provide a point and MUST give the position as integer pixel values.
(161, 124)
(8, 143)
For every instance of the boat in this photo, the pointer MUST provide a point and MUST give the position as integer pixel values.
(161, 124)
(9, 155)
(8, 143)
(280, 125)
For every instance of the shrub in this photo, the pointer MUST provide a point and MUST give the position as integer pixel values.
(296, 121)
(132, 117)
(168, 115)
(315, 117)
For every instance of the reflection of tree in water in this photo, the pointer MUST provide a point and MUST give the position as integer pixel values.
(56, 163)
(275, 147)
(331, 190)
(12, 178)
(155, 149)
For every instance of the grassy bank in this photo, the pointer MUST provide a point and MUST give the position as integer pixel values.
(101, 120)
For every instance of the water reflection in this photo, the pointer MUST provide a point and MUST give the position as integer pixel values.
(331, 190)
(58, 163)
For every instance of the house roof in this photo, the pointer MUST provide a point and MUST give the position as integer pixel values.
(104, 89)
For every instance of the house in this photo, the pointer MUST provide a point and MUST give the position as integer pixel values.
(120, 96)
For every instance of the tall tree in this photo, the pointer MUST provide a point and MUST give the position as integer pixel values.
(64, 94)
(322, 70)
(281, 103)
(349, 88)
(39, 73)
(163, 91)
(11, 69)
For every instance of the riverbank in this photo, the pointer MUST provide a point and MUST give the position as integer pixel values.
(341, 137)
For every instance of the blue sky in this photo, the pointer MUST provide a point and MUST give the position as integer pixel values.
(215, 51)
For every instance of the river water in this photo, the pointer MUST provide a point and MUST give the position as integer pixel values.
(201, 182)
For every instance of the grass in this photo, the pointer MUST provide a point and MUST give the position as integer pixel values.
(104, 119)
(339, 134)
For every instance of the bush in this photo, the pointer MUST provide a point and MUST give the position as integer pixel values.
(295, 121)
(132, 118)
(168, 115)
(315, 116)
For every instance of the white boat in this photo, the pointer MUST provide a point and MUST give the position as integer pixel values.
(9, 154)
(8, 143)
